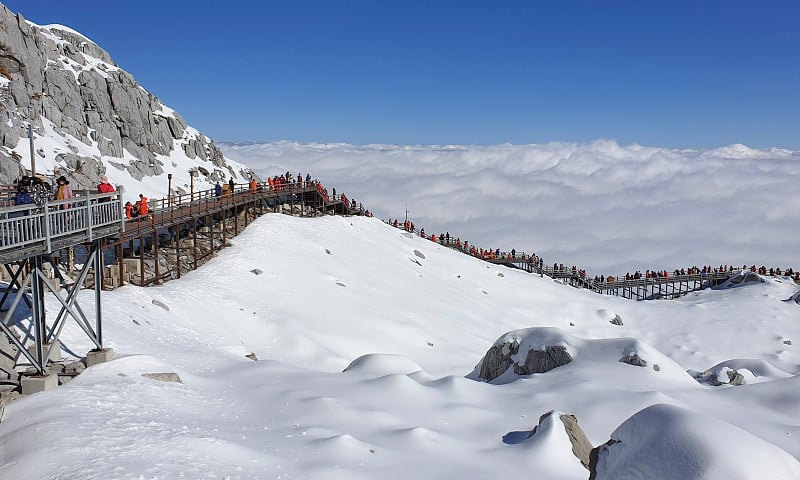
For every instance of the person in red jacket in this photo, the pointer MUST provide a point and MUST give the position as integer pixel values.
(104, 186)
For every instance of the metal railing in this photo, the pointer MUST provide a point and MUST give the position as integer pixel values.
(38, 228)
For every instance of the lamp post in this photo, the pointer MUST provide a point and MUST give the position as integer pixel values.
(35, 96)
(33, 153)
(169, 192)
(192, 174)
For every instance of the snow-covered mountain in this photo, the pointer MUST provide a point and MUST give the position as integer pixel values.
(369, 344)
(91, 118)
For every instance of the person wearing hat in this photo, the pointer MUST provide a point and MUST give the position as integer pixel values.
(63, 191)
(104, 187)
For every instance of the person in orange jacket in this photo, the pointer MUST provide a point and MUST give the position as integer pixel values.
(253, 185)
(144, 208)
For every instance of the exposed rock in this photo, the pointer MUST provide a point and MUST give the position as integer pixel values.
(252, 356)
(595, 457)
(633, 359)
(256, 271)
(617, 320)
(735, 378)
(62, 76)
(497, 360)
(787, 342)
(163, 377)
(541, 361)
(57, 368)
(74, 368)
(719, 376)
(419, 254)
(161, 304)
(581, 446)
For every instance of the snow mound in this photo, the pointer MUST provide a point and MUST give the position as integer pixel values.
(741, 279)
(739, 372)
(692, 445)
(528, 351)
(551, 441)
(379, 365)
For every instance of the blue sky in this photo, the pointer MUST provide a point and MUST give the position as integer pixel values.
(675, 74)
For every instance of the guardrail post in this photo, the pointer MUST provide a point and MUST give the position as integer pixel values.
(47, 226)
(89, 219)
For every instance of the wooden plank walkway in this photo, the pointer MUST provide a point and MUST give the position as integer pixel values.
(29, 230)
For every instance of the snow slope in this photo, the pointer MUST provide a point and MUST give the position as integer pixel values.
(365, 337)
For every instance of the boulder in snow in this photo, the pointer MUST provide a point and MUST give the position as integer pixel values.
(544, 349)
(633, 359)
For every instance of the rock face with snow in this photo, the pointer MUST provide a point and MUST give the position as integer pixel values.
(581, 447)
(738, 372)
(664, 442)
(498, 359)
(544, 349)
(548, 350)
(68, 84)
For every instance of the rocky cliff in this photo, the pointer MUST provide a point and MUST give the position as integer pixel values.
(90, 117)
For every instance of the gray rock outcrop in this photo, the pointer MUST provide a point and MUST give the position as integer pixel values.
(633, 359)
(541, 361)
(498, 359)
(56, 74)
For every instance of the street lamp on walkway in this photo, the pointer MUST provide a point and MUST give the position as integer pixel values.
(35, 96)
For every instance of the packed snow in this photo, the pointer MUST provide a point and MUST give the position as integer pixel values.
(367, 339)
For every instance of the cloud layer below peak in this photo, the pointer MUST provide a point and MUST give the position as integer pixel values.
(602, 206)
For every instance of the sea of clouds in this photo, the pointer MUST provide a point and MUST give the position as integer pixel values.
(602, 206)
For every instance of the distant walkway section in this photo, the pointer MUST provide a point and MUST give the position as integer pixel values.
(650, 285)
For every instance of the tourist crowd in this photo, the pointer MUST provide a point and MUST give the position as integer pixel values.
(561, 270)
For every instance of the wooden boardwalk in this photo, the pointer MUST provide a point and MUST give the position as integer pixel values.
(34, 236)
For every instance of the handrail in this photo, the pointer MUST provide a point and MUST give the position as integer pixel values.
(33, 225)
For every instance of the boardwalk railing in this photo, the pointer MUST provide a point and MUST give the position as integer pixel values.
(30, 229)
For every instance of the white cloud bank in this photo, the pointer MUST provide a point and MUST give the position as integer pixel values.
(602, 206)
